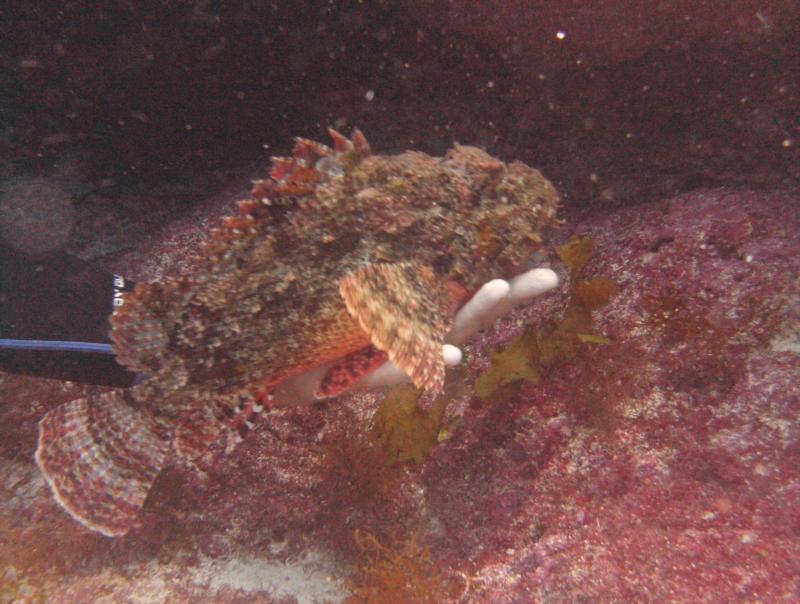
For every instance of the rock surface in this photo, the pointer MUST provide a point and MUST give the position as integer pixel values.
(661, 465)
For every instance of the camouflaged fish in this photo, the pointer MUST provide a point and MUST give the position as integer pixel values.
(340, 256)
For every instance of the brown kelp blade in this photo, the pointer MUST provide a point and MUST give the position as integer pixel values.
(100, 457)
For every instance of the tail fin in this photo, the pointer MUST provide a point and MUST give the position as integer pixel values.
(100, 457)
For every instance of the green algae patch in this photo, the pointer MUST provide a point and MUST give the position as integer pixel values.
(576, 253)
(588, 338)
(403, 430)
(535, 349)
(595, 293)
(512, 364)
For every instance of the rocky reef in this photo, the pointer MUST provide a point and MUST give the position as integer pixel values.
(654, 456)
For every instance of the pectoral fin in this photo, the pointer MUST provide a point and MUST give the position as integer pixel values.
(400, 307)
(348, 370)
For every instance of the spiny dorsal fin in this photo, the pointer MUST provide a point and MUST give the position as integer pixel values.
(311, 163)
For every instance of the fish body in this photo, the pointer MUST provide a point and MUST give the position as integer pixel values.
(339, 256)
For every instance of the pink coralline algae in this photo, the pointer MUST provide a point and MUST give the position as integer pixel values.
(664, 465)
(661, 465)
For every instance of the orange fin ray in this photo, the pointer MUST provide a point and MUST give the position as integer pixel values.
(348, 370)
(400, 306)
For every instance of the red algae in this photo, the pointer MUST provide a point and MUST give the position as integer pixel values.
(658, 466)
(399, 573)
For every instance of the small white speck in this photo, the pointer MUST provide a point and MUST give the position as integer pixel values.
(708, 515)
(490, 84)
(187, 127)
(370, 95)
(748, 258)
(452, 355)
(787, 142)
(560, 35)
(748, 537)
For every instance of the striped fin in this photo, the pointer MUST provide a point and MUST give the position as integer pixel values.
(224, 421)
(400, 306)
(100, 457)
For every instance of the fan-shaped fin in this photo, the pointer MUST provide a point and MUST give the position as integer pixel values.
(100, 457)
(400, 307)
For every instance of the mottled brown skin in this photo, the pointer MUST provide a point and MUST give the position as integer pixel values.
(267, 301)
(337, 252)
